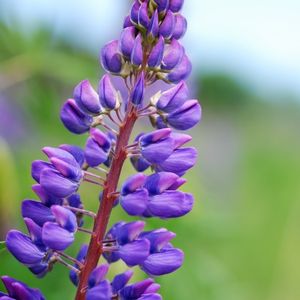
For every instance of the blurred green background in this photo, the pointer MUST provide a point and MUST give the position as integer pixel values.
(242, 240)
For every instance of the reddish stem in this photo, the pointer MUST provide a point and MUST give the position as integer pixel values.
(95, 247)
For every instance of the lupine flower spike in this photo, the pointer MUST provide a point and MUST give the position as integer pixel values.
(148, 50)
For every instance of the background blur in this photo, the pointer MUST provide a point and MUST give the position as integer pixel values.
(242, 240)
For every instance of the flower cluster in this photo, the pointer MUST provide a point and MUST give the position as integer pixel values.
(147, 51)
(101, 288)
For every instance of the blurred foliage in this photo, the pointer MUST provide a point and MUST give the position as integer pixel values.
(8, 188)
(242, 239)
(223, 91)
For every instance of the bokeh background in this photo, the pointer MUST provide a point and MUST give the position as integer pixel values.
(242, 240)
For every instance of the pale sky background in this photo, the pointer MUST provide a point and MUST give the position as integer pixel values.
(255, 40)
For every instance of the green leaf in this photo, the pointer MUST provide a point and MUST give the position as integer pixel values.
(2, 246)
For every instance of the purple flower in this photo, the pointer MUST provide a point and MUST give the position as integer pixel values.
(74, 118)
(173, 55)
(167, 26)
(102, 291)
(163, 258)
(137, 51)
(176, 5)
(137, 95)
(127, 39)
(18, 290)
(171, 99)
(156, 54)
(156, 146)
(30, 250)
(143, 17)
(37, 211)
(86, 98)
(97, 148)
(59, 235)
(134, 12)
(62, 177)
(153, 28)
(180, 27)
(162, 199)
(186, 116)
(181, 71)
(164, 262)
(162, 4)
(110, 57)
(107, 93)
(128, 247)
(24, 249)
(138, 290)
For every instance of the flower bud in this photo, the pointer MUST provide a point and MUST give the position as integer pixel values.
(19, 291)
(60, 154)
(45, 197)
(35, 232)
(180, 27)
(158, 238)
(143, 17)
(56, 237)
(37, 212)
(127, 22)
(135, 203)
(136, 290)
(110, 57)
(37, 167)
(98, 275)
(181, 71)
(153, 27)
(162, 4)
(156, 54)
(74, 118)
(101, 138)
(133, 183)
(173, 98)
(75, 151)
(139, 163)
(107, 93)
(180, 139)
(173, 55)
(134, 12)
(180, 161)
(23, 249)
(86, 98)
(94, 153)
(137, 94)
(129, 232)
(167, 26)
(176, 5)
(127, 39)
(137, 51)
(100, 291)
(56, 184)
(164, 262)
(178, 183)
(186, 116)
(97, 148)
(135, 253)
(120, 281)
(160, 182)
(64, 218)
(170, 204)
